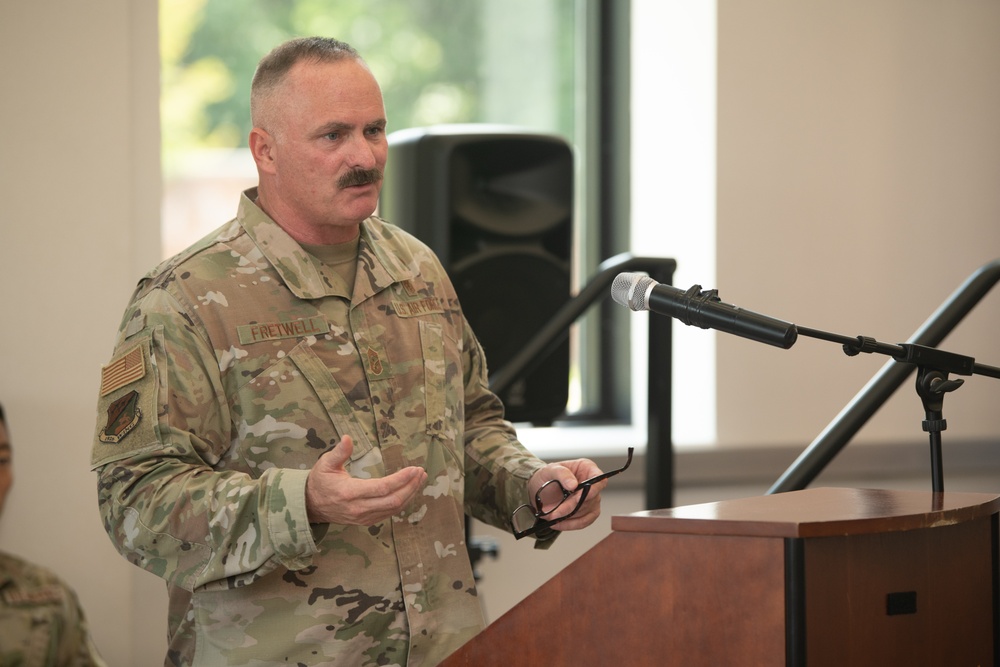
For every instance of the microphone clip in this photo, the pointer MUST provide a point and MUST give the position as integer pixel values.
(695, 300)
(865, 344)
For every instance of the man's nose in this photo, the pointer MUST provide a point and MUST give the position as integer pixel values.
(364, 152)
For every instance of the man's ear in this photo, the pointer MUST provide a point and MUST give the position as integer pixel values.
(262, 148)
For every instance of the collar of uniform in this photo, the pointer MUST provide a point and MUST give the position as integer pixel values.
(382, 258)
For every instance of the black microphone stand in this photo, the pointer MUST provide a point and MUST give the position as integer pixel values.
(933, 369)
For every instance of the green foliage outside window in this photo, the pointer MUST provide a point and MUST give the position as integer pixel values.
(438, 61)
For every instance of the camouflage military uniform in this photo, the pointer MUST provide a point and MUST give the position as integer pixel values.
(238, 363)
(41, 622)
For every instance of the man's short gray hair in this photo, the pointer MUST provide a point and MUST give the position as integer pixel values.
(275, 65)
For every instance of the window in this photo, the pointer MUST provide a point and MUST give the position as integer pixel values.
(673, 185)
(599, 70)
(438, 61)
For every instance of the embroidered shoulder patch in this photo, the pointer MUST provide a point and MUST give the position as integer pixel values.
(122, 371)
(123, 415)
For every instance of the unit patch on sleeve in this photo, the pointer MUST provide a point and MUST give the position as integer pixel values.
(123, 415)
(127, 409)
(125, 369)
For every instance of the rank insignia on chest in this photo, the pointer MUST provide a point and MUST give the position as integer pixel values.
(374, 362)
(123, 415)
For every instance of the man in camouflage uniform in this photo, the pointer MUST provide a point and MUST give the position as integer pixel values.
(41, 621)
(296, 417)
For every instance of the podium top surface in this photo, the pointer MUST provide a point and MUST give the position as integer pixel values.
(820, 512)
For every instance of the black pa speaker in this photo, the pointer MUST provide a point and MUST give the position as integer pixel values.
(496, 205)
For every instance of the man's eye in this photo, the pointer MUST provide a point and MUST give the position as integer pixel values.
(332, 135)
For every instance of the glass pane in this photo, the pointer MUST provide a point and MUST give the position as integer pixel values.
(438, 61)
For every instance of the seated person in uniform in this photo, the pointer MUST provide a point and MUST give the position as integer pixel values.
(41, 621)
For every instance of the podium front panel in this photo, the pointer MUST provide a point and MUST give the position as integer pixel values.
(822, 577)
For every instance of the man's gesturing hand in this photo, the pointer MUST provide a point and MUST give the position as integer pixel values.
(333, 496)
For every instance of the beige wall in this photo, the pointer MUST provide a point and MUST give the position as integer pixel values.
(859, 152)
(79, 182)
(859, 185)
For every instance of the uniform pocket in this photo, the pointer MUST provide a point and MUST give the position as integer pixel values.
(292, 412)
(443, 389)
(435, 375)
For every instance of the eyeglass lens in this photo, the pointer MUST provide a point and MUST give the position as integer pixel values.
(550, 497)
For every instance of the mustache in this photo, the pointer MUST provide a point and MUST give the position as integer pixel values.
(360, 177)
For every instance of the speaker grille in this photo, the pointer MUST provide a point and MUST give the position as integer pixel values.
(508, 296)
(512, 187)
(497, 208)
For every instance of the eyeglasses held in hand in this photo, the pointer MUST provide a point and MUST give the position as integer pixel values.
(529, 520)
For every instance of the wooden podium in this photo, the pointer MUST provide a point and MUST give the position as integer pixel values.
(823, 576)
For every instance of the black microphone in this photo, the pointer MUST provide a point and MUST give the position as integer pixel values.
(701, 308)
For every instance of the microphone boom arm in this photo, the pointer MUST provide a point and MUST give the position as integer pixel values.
(877, 391)
(704, 309)
(933, 369)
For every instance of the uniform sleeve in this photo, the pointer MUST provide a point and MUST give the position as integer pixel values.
(167, 499)
(498, 466)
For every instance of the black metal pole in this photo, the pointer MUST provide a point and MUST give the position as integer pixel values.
(659, 451)
(659, 444)
(873, 395)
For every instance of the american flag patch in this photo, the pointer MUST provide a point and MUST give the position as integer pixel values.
(125, 369)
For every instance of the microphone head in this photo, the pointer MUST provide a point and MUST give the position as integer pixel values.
(631, 290)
